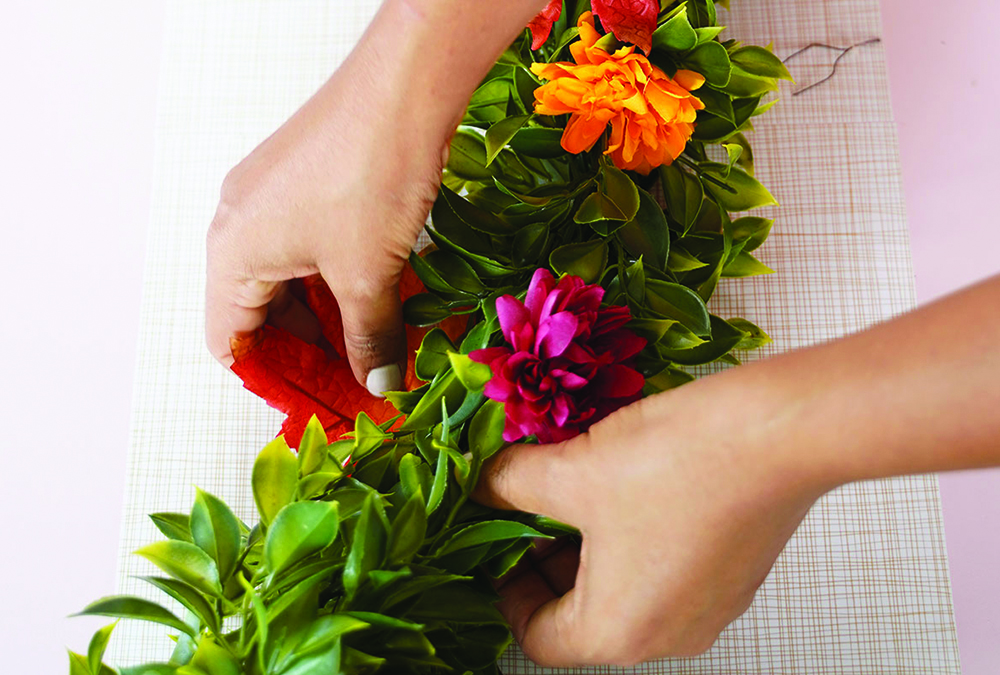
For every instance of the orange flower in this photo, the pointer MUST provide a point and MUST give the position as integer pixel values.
(651, 115)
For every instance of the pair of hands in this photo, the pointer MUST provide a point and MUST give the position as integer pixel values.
(691, 522)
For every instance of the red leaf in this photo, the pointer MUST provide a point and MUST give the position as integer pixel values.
(541, 25)
(630, 20)
(301, 379)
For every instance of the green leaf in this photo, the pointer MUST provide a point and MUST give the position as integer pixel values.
(684, 195)
(759, 61)
(586, 260)
(318, 636)
(540, 142)
(682, 261)
(743, 85)
(499, 135)
(185, 562)
(368, 547)
(427, 412)
(733, 151)
(708, 33)
(454, 272)
(673, 301)
(190, 597)
(676, 34)
(432, 356)
(473, 216)
(529, 244)
(668, 378)
(151, 669)
(711, 60)
(173, 525)
(214, 660)
(312, 447)
(486, 532)
(299, 531)
(409, 528)
(752, 230)
(754, 337)
(745, 265)
(424, 309)
(647, 235)
(724, 338)
(467, 156)
(217, 531)
(129, 607)
(275, 474)
(439, 484)
(414, 476)
(98, 645)
(472, 375)
(718, 104)
(502, 563)
(486, 430)
(748, 193)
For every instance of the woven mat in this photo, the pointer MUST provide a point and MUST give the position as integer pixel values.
(861, 588)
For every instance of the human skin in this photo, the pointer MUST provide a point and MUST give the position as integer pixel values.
(685, 499)
(343, 188)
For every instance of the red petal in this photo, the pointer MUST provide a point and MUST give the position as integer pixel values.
(541, 25)
(630, 20)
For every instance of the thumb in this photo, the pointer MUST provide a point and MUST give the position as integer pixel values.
(542, 479)
(375, 338)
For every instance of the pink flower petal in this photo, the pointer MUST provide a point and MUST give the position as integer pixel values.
(513, 316)
(555, 335)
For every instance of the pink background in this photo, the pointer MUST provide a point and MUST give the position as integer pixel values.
(79, 89)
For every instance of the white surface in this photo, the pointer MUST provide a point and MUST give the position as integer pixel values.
(77, 102)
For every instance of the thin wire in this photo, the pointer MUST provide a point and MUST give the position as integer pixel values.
(844, 51)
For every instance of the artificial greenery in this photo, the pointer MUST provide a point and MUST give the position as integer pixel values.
(369, 555)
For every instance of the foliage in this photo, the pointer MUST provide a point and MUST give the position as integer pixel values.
(368, 555)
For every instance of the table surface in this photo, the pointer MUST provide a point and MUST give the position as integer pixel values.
(75, 188)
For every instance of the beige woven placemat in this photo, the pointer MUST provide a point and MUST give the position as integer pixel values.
(862, 587)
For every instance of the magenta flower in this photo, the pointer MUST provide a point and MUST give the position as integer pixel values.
(568, 363)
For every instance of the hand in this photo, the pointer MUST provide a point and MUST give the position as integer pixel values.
(684, 501)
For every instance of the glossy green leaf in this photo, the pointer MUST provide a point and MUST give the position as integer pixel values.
(98, 645)
(368, 547)
(432, 356)
(312, 447)
(129, 607)
(586, 260)
(754, 337)
(212, 659)
(473, 216)
(191, 598)
(724, 339)
(409, 527)
(674, 301)
(427, 412)
(684, 195)
(275, 474)
(455, 272)
(711, 60)
(424, 309)
(747, 192)
(752, 230)
(440, 483)
(300, 530)
(682, 261)
(540, 142)
(467, 155)
(472, 375)
(217, 531)
(486, 430)
(668, 378)
(708, 33)
(745, 265)
(499, 135)
(759, 61)
(743, 84)
(486, 532)
(150, 669)
(647, 235)
(675, 34)
(173, 525)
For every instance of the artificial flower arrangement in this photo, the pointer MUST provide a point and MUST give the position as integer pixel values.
(583, 222)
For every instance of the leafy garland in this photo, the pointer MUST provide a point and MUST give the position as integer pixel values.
(369, 556)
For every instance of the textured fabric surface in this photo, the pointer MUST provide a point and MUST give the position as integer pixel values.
(861, 588)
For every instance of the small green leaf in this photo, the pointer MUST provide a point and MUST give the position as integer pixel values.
(409, 528)
(486, 430)
(745, 265)
(708, 33)
(754, 337)
(432, 356)
(668, 378)
(173, 525)
(214, 660)
(424, 309)
(759, 61)
(711, 60)
(586, 260)
(472, 375)
(499, 135)
(440, 483)
(275, 474)
(673, 301)
(427, 412)
(190, 597)
(467, 156)
(747, 192)
(129, 607)
(299, 531)
(98, 645)
(647, 235)
(186, 562)
(675, 34)
(312, 447)
(752, 230)
(486, 532)
(540, 142)
(684, 195)
(217, 531)
(368, 547)
(682, 261)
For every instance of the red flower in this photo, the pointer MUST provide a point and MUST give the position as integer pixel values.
(568, 363)
(631, 21)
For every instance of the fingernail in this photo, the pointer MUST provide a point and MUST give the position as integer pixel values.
(383, 379)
